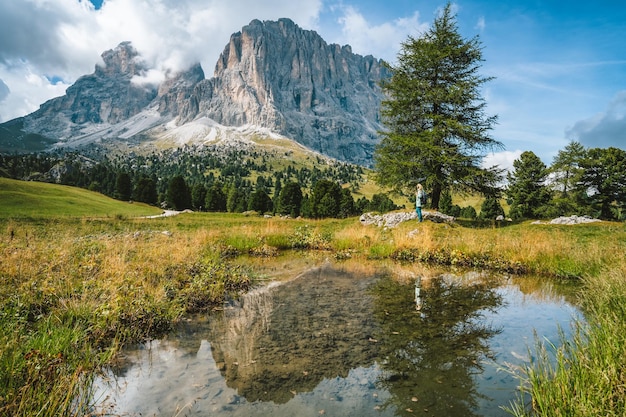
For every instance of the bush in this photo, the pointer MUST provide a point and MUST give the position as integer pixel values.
(468, 212)
(305, 237)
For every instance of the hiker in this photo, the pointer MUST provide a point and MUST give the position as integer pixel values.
(420, 198)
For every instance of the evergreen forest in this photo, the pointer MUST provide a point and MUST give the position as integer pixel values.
(209, 179)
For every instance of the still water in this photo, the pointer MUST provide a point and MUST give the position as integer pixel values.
(341, 341)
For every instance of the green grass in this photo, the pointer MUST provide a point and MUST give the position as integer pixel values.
(19, 199)
(81, 274)
(588, 377)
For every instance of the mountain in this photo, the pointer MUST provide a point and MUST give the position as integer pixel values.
(273, 78)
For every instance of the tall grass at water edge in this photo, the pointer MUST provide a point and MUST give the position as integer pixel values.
(73, 290)
(586, 375)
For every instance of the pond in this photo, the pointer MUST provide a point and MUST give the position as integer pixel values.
(345, 341)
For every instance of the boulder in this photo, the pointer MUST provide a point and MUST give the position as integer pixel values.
(395, 218)
(573, 220)
(569, 220)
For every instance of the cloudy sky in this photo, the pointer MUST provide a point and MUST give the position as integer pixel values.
(559, 66)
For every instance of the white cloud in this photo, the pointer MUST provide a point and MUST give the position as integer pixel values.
(503, 160)
(603, 130)
(27, 90)
(4, 90)
(63, 39)
(480, 25)
(151, 77)
(381, 41)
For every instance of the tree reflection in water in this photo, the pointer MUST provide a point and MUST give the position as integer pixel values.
(335, 339)
(429, 356)
(328, 322)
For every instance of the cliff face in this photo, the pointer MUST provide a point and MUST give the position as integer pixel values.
(272, 75)
(276, 75)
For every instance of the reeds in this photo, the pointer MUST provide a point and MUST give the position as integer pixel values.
(586, 375)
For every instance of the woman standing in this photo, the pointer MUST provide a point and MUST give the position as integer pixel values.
(420, 198)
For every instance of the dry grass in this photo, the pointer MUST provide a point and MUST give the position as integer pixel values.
(80, 287)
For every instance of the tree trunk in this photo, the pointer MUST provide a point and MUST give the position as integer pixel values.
(436, 195)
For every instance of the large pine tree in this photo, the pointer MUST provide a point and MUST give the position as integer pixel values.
(436, 127)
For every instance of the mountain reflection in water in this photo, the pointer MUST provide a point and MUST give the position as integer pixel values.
(337, 342)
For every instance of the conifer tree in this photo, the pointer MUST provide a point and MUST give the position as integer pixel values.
(123, 186)
(178, 195)
(604, 182)
(260, 201)
(527, 190)
(290, 199)
(325, 199)
(215, 198)
(145, 190)
(436, 127)
(491, 208)
(566, 167)
(198, 196)
(346, 204)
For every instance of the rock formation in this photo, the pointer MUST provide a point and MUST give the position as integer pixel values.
(393, 219)
(108, 96)
(272, 75)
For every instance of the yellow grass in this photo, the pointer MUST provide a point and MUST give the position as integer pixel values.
(120, 275)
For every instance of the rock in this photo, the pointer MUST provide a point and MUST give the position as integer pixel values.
(569, 220)
(573, 220)
(413, 233)
(395, 218)
(438, 217)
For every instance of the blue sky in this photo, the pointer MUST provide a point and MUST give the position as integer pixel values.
(559, 66)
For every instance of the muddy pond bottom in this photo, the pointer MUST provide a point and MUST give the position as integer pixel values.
(338, 341)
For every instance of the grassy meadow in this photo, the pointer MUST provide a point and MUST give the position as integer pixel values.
(20, 199)
(81, 275)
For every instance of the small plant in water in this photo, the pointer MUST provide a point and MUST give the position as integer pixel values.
(304, 237)
(210, 283)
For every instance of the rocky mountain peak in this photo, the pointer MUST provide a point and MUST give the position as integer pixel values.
(123, 59)
(272, 75)
(277, 75)
(107, 96)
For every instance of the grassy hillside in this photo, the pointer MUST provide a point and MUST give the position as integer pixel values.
(36, 199)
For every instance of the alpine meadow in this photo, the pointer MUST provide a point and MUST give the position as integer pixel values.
(133, 214)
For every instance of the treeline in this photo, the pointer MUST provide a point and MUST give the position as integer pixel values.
(205, 179)
(588, 181)
(580, 181)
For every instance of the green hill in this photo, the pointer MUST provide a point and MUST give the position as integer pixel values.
(38, 199)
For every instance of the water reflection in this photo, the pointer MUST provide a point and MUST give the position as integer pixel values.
(432, 354)
(288, 340)
(337, 342)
